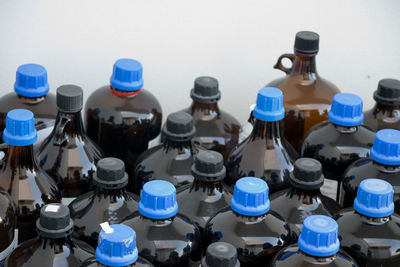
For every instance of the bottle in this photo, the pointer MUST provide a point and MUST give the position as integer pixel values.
(307, 95)
(164, 237)
(340, 141)
(122, 118)
(207, 194)
(318, 245)
(249, 225)
(29, 187)
(117, 247)
(8, 237)
(386, 112)
(172, 161)
(384, 162)
(303, 198)
(108, 202)
(54, 247)
(68, 155)
(370, 232)
(31, 91)
(265, 153)
(220, 254)
(215, 129)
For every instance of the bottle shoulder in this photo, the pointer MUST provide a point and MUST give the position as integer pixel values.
(42, 107)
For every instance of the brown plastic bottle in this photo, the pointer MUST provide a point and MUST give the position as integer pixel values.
(122, 118)
(29, 187)
(68, 155)
(215, 129)
(7, 226)
(31, 92)
(307, 96)
(386, 112)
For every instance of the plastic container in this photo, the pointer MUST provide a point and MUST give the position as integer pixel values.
(108, 202)
(28, 185)
(303, 198)
(318, 245)
(68, 155)
(249, 225)
(371, 231)
(8, 237)
(215, 129)
(164, 237)
(54, 247)
(340, 141)
(265, 153)
(220, 254)
(122, 118)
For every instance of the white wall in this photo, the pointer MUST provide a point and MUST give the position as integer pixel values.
(177, 40)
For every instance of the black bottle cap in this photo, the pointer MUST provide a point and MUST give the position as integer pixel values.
(179, 127)
(209, 166)
(54, 221)
(69, 98)
(307, 174)
(205, 90)
(110, 174)
(388, 92)
(221, 254)
(306, 42)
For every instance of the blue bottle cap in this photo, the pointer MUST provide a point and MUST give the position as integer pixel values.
(127, 75)
(319, 236)
(386, 148)
(269, 105)
(20, 128)
(250, 197)
(158, 200)
(346, 110)
(374, 198)
(31, 80)
(117, 247)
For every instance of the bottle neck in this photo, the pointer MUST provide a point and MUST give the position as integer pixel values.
(179, 145)
(123, 93)
(157, 222)
(20, 157)
(67, 125)
(206, 108)
(304, 64)
(293, 190)
(56, 244)
(373, 220)
(388, 110)
(345, 129)
(320, 260)
(249, 219)
(208, 187)
(32, 100)
(266, 130)
(387, 168)
(113, 194)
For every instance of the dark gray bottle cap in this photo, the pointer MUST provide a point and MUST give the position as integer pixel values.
(306, 42)
(179, 127)
(307, 174)
(110, 174)
(220, 254)
(69, 98)
(205, 90)
(388, 92)
(209, 166)
(54, 221)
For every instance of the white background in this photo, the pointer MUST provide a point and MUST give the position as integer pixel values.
(238, 42)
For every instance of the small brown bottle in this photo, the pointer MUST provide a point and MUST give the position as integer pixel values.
(29, 187)
(215, 129)
(307, 96)
(386, 112)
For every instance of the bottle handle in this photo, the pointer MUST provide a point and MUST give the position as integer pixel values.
(280, 66)
(59, 136)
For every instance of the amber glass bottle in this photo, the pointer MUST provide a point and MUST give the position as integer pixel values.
(307, 95)
(54, 247)
(32, 93)
(265, 153)
(8, 238)
(215, 129)
(386, 112)
(29, 187)
(122, 118)
(68, 155)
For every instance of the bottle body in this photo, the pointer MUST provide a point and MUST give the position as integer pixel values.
(95, 207)
(382, 117)
(291, 256)
(370, 241)
(168, 242)
(250, 235)
(92, 262)
(215, 129)
(336, 147)
(8, 238)
(122, 125)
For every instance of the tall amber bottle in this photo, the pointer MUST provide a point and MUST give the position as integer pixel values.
(29, 187)
(307, 96)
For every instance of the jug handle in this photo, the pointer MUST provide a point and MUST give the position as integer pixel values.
(280, 66)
